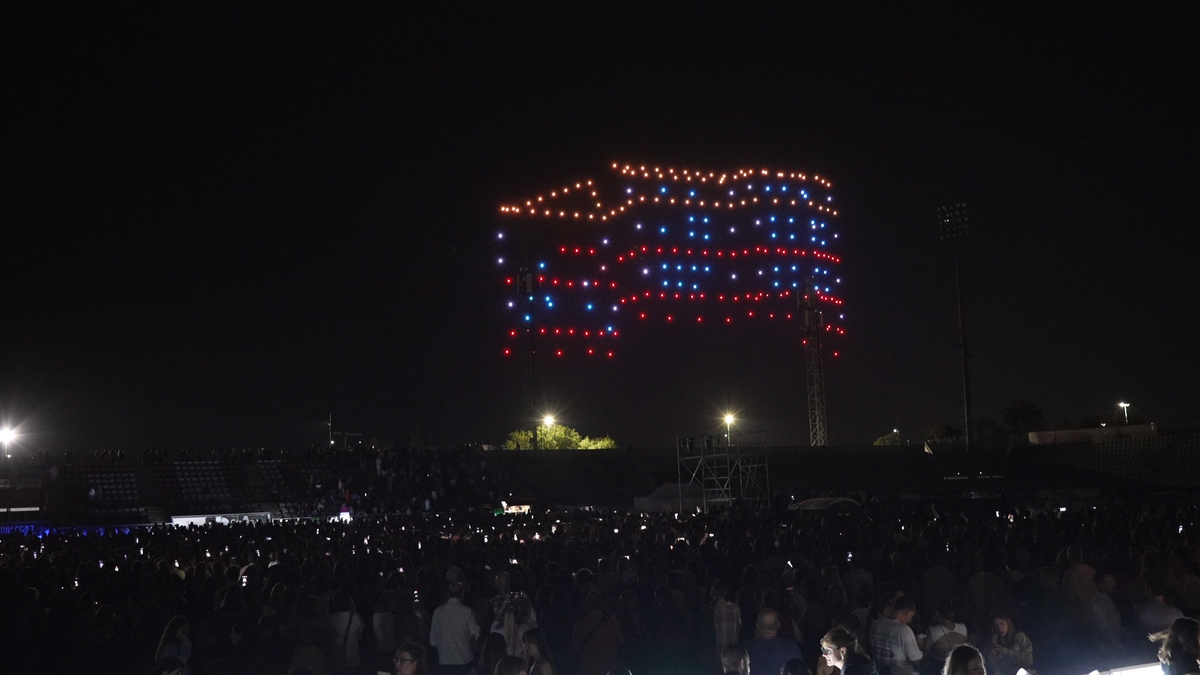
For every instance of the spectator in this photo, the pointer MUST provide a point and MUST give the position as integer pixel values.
(1106, 619)
(1180, 644)
(964, 660)
(596, 638)
(841, 650)
(494, 649)
(410, 660)
(1154, 615)
(735, 660)
(511, 665)
(537, 653)
(727, 616)
(892, 641)
(1008, 648)
(175, 642)
(1079, 587)
(768, 652)
(453, 633)
(346, 627)
(944, 634)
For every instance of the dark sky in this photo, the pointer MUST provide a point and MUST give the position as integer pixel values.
(223, 224)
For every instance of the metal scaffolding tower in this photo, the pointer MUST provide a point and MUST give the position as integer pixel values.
(814, 325)
(736, 470)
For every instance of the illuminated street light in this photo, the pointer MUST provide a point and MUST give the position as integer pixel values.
(548, 421)
(7, 436)
(728, 436)
(1125, 407)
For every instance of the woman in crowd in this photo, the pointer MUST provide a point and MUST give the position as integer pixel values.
(383, 623)
(964, 660)
(537, 653)
(494, 649)
(841, 650)
(1180, 648)
(175, 642)
(511, 665)
(944, 634)
(410, 660)
(1009, 649)
(346, 628)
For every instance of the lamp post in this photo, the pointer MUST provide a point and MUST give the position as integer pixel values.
(1125, 407)
(728, 434)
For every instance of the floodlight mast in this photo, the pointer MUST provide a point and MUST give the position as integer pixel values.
(953, 226)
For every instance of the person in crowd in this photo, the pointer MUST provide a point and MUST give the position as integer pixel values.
(795, 667)
(537, 653)
(840, 649)
(453, 633)
(168, 666)
(1079, 587)
(943, 635)
(735, 660)
(494, 649)
(1155, 614)
(893, 643)
(410, 660)
(346, 627)
(1008, 648)
(768, 652)
(383, 622)
(1106, 618)
(964, 659)
(727, 616)
(596, 637)
(176, 642)
(1179, 652)
(515, 615)
(511, 665)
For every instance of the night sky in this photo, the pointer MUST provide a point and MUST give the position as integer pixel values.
(223, 224)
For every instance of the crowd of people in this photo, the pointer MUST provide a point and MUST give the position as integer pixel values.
(893, 588)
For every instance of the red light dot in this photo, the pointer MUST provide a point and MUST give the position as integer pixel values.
(507, 352)
(591, 351)
(610, 355)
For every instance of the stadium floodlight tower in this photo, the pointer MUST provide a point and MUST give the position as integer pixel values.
(953, 226)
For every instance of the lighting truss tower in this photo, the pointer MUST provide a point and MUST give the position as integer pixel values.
(724, 472)
(814, 324)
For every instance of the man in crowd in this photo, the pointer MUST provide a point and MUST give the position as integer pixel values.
(735, 660)
(1106, 620)
(768, 652)
(727, 616)
(893, 642)
(454, 633)
(1154, 614)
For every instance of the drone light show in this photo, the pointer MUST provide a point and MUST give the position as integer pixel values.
(643, 247)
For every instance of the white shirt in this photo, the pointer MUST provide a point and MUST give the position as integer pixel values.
(894, 645)
(451, 631)
(337, 624)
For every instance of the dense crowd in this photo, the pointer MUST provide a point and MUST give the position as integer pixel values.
(891, 587)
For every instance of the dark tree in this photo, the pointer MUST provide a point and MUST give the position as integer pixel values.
(1022, 417)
